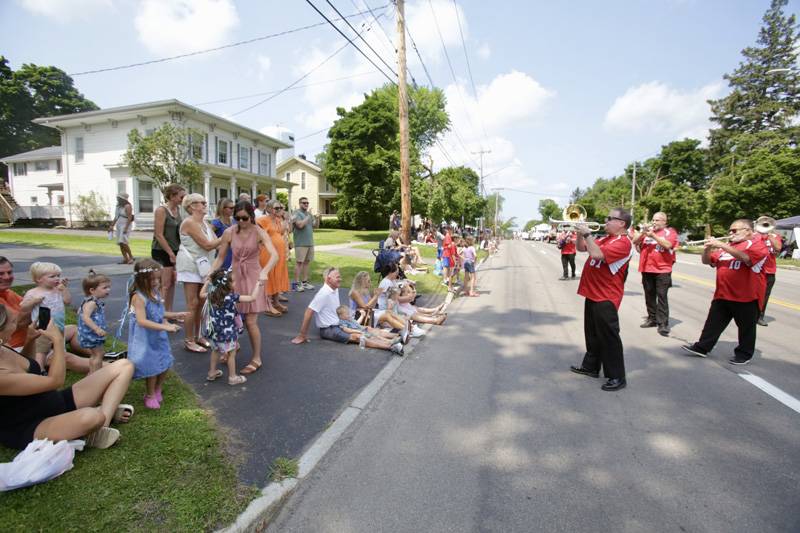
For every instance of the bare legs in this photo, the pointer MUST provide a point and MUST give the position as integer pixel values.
(168, 286)
(96, 359)
(127, 255)
(194, 305)
(251, 323)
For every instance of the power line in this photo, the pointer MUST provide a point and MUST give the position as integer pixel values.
(350, 41)
(322, 82)
(312, 134)
(362, 38)
(469, 68)
(392, 49)
(208, 50)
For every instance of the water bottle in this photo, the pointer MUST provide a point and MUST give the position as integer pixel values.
(362, 342)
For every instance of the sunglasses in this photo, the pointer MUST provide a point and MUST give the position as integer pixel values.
(228, 207)
(278, 209)
(241, 219)
(735, 230)
(303, 203)
(609, 219)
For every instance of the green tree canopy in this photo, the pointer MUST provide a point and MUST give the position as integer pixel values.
(167, 155)
(454, 194)
(362, 159)
(494, 203)
(548, 208)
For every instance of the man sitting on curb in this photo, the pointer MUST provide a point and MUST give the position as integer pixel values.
(323, 309)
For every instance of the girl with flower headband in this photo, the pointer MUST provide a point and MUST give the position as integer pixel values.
(148, 344)
(224, 330)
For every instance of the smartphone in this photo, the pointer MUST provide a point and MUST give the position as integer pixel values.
(44, 318)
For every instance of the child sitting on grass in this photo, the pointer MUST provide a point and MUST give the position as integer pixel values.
(224, 334)
(373, 337)
(92, 318)
(50, 292)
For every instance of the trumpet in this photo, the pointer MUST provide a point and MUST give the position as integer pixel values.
(765, 225)
(701, 241)
(574, 214)
(643, 228)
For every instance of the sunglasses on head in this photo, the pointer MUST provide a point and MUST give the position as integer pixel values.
(242, 219)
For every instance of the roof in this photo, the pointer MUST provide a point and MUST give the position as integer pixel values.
(297, 159)
(49, 152)
(153, 109)
(788, 223)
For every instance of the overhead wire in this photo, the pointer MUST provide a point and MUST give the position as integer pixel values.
(362, 38)
(469, 69)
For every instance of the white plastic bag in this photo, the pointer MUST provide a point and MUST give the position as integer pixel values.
(42, 460)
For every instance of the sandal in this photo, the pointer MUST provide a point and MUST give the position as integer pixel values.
(280, 308)
(191, 346)
(269, 312)
(123, 409)
(102, 438)
(213, 377)
(236, 380)
(283, 298)
(250, 368)
(203, 342)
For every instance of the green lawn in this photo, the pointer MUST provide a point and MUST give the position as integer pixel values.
(169, 472)
(339, 236)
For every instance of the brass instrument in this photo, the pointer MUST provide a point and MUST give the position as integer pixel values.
(701, 241)
(644, 228)
(765, 225)
(575, 214)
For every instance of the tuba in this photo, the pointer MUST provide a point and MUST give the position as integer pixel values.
(765, 225)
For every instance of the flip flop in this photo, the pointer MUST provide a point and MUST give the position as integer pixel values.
(236, 380)
(199, 349)
(203, 342)
(217, 375)
(122, 410)
(272, 313)
(250, 368)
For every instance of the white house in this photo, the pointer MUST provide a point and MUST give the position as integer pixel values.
(39, 183)
(309, 182)
(235, 159)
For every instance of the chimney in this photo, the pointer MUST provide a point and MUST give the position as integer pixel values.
(302, 156)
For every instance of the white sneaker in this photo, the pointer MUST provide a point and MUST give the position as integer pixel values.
(417, 331)
(307, 286)
(102, 438)
(397, 348)
(299, 288)
(404, 333)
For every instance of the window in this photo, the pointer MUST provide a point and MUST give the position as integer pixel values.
(20, 169)
(222, 152)
(42, 165)
(196, 148)
(244, 157)
(327, 186)
(59, 170)
(60, 199)
(79, 149)
(34, 200)
(303, 180)
(120, 186)
(264, 163)
(288, 176)
(145, 197)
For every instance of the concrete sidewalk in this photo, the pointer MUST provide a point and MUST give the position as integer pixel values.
(281, 409)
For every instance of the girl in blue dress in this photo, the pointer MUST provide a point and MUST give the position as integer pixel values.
(148, 344)
(92, 318)
(224, 330)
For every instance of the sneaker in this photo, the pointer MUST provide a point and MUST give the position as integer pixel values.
(648, 324)
(151, 403)
(694, 351)
(417, 331)
(113, 356)
(299, 287)
(397, 349)
(404, 333)
(102, 438)
(663, 331)
(307, 286)
(762, 322)
(738, 361)
(562, 278)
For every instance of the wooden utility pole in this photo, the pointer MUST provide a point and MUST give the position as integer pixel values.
(402, 97)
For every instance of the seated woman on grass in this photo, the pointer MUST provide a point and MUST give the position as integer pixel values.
(33, 407)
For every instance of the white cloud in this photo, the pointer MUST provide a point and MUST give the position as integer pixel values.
(168, 27)
(655, 107)
(423, 27)
(64, 10)
(264, 64)
(484, 51)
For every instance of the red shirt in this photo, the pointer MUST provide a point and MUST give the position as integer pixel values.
(11, 300)
(771, 266)
(604, 279)
(569, 243)
(736, 281)
(448, 248)
(653, 257)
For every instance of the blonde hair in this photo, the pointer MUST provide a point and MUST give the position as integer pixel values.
(189, 199)
(360, 282)
(39, 269)
(342, 309)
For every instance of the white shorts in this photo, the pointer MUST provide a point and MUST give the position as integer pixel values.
(376, 315)
(189, 277)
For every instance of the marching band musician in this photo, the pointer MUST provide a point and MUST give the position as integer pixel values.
(656, 245)
(774, 243)
(602, 284)
(566, 242)
(739, 292)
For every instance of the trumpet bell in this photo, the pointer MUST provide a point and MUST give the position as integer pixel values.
(574, 213)
(765, 225)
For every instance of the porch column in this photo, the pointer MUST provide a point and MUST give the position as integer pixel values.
(207, 185)
(234, 194)
(253, 191)
(273, 191)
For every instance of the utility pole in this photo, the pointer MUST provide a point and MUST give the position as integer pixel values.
(633, 191)
(402, 97)
(481, 190)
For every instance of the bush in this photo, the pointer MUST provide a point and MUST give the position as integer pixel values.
(91, 210)
(329, 223)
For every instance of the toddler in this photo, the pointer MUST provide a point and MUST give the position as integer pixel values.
(373, 337)
(92, 318)
(51, 292)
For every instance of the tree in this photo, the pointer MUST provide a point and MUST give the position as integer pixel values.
(494, 203)
(530, 224)
(166, 156)
(454, 195)
(548, 208)
(761, 100)
(362, 158)
(32, 92)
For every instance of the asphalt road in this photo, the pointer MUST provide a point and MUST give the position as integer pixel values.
(485, 429)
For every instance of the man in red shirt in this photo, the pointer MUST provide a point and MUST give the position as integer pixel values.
(566, 241)
(774, 243)
(739, 293)
(656, 247)
(448, 257)
(602, 284)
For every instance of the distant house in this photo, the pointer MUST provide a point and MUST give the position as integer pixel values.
(309, 182)
(234, 158)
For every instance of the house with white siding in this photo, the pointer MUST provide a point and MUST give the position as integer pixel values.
(234, 159)
(310, 182)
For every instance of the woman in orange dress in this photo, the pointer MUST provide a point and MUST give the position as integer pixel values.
(278, 281)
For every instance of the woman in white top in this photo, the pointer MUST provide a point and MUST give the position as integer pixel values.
(194, 259)
(121, 225)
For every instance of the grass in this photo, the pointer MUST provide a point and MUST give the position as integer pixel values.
(341, 236)
(170, 472)
(283, 468)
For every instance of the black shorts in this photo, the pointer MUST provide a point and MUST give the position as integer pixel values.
(32, 411)
(161, 257)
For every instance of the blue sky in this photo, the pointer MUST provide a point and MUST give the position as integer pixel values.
(566, 91)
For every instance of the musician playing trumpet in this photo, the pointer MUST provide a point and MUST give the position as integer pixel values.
(739, 293)
(656, 245)
(766, 226)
